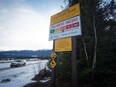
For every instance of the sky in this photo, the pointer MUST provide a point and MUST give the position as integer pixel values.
(24, 24)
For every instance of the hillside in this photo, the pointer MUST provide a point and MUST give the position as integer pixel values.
(25, 53)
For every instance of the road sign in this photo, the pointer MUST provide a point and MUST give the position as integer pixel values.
(66, 14)
(66, 28)
(53, 63)
(53, 55)
(65, 23)
(64, 44)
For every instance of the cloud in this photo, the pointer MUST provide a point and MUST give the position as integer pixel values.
(21, 27)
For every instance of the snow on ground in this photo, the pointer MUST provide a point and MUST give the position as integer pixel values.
(20, 76)
(4, 65)
(6, 61)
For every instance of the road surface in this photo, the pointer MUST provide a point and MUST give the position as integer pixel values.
(19, 76)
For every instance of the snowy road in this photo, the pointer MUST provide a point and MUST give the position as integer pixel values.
(18, 77)
(5, 66)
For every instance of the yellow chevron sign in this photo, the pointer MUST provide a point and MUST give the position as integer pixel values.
(53, 55)
(53, 63)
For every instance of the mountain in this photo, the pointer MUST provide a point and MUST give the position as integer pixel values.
(25, 53)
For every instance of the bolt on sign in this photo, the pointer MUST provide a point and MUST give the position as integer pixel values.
(53, 63)
(53, 55)
(64, 44)
(65, 23)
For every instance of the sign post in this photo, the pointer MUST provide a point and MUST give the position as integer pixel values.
(53, 78)
(62, 25)
(74, 63)
(53, 64)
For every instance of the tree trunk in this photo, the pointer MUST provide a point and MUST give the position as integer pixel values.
(85, 49)
(95, 34)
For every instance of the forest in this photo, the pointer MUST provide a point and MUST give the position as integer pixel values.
(95, 48)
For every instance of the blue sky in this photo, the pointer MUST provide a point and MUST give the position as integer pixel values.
(24, 24)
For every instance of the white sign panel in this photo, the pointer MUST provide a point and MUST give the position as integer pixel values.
(67, 28)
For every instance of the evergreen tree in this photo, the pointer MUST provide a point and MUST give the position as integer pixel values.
(96, 15)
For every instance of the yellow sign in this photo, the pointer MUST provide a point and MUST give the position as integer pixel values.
(53, 63)
(66, 14)
(64, 44)
(53, 55)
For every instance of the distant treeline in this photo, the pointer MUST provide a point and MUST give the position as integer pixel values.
(25, 54)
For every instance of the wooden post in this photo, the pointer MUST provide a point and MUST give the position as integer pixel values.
(74, 63)
(53, 78)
